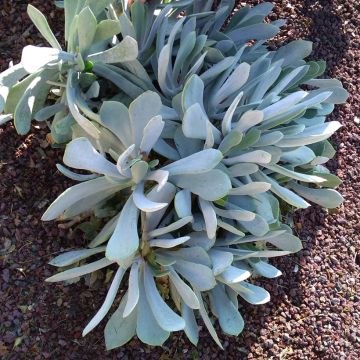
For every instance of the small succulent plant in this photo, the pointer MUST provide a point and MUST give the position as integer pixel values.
(194, 138)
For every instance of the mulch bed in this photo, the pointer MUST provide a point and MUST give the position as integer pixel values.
(315, 307)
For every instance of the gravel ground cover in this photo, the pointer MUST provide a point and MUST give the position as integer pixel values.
(315, 307)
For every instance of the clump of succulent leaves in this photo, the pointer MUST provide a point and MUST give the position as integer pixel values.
(192, 137)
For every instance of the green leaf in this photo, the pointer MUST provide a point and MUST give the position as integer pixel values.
(87, 24)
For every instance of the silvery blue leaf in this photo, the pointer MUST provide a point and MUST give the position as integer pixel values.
(160, 176)
(251, 293)
(168, 243)
(284, 193)
(265, 269)
(123, 162)
(124, 241)
(198, 163)
(259, 31)
(184, 290)
(211, 186)
(87, 24)
(80, 154)
(115, 116)
(147, 328)
(80, 271)
(268, 139)
(251, 188)
(74, 176)
(243, 169)
(79, 192)
(164, 315)
(105, 233)
(233, 84)
(233, 275)
(230, 228)
(143, 203)
(170, 228)
(206, 319)
(284, 104)
(126, 50)
(74, 256)
(105, 307)
(196, 122)
(200, 239)
(295, 175)
(183, 203)
(200, 276)
(139, 171)
(42, 25)
(209, 216)
(133, 291)
(248, 120)
(119, 330)
(231, 140)
(256, 156)
(298, 156)
(221, 260)
(327, 198)
(230, 320)
(166, 195)
(226, 123)
(311, 135)
(166, 150)
(142, 110)
(191, 329)
(294, 51)
(235, 214)
(151, 133)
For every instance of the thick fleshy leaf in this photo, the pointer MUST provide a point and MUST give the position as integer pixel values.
(256, 156)
(115, 116)
(233, 275)
(243, 169)
(230, 320)
(197, 274)
(221, 260)
(80, 154)
(207, 320)
(126, 50)
(168, 243)
(195, 124)
(164, 315)
(143, 203)
(105, 307)
(120, 330)
(42, 25)
(105, 233)
(79, 192)
(133, 290)
(211, 185)
(198, 163)
(182, 203)
(251, 188)
(142, 110)
(87, 24)
(311, 135)
(71, 257)
(327, 198)
(253, 294)
(209, 217)
(228, 117)
(249, 119)
(191, 329)
(147, 328)
(265, 269)
(124, 242)
(106, 29)
(236, 214)
(170, 228)
(184, 290)
(80, 271)
(295, 175)
(151, 134)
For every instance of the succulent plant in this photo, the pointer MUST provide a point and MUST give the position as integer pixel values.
(194, 138)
